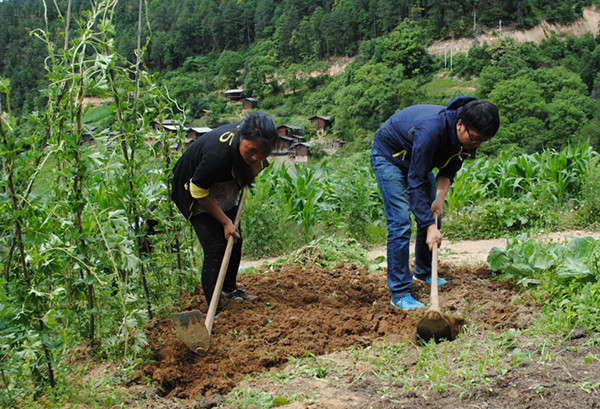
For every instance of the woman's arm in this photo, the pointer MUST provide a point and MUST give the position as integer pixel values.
(209, 204)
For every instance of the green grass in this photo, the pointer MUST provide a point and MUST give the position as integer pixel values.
(473, 361)
(446, 88)
(78, 390)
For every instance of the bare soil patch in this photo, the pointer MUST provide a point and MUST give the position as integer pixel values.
(475, 252)
(313, 311)
(95, 102)
(303, 310)
(588, 23)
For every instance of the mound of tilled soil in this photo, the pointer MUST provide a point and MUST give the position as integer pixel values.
(304, 310)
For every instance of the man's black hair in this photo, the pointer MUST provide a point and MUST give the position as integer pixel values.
(481, 116)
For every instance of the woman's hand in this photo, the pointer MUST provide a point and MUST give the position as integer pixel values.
(209, 204)
(230, 230)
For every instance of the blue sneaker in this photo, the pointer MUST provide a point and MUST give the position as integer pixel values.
(406, 303)
(427, 280)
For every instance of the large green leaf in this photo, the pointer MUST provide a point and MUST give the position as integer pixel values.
(573, 268)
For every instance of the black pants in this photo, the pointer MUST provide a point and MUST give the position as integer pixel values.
(211, 235)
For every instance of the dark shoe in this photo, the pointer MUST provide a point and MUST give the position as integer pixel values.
(218, 311)
(238, 294)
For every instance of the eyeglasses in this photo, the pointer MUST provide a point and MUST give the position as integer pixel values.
(474, 140)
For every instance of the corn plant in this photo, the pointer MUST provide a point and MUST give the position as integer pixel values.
(548, 175)
(355, 203)
(468, 185)
(301, 188)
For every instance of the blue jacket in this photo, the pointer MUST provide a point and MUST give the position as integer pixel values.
(418, 139)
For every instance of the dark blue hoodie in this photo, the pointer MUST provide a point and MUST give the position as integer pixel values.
(418, 139)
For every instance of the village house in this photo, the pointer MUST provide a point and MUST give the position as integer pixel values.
(288, 130)
(169, 125)
(249, 103)
(88, 135)
(234, 95)
(291, 131)
(320, 122)
(193, 134)
(335, 143)
(300, 151)
(288, 136)
(283, 145)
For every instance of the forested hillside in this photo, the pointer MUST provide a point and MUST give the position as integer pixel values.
(275, 51)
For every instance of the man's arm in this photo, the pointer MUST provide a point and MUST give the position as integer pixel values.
(443, 186)
(434, 236)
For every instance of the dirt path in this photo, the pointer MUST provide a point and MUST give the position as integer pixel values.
(476, 252)
(466, 252)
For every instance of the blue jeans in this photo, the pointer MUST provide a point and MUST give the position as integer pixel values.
(393, 185)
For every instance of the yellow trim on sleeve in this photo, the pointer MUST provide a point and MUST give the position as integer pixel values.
(453, 156)
(198, 192)
(395, 155)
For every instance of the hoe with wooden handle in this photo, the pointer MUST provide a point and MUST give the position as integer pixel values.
(188, 324)
(434, 325)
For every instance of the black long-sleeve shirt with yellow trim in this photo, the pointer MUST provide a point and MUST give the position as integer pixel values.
(206, 168)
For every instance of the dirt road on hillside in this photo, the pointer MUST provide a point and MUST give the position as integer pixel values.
(587, 23)
(468, 252)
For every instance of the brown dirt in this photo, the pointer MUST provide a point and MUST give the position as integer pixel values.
(309, 311)
(95, 102)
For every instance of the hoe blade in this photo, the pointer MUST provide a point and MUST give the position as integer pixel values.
(192, 331)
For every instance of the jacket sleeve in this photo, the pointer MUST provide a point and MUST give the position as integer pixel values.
(451, 168)
(425, 141)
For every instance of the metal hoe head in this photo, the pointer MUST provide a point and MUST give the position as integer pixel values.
(434, 326)
(192, 331)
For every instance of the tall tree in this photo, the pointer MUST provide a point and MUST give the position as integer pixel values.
(263, 24)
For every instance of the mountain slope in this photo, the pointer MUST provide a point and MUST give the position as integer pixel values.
(588, 23)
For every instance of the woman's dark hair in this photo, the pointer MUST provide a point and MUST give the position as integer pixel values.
(480, 116)
(260, 127)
